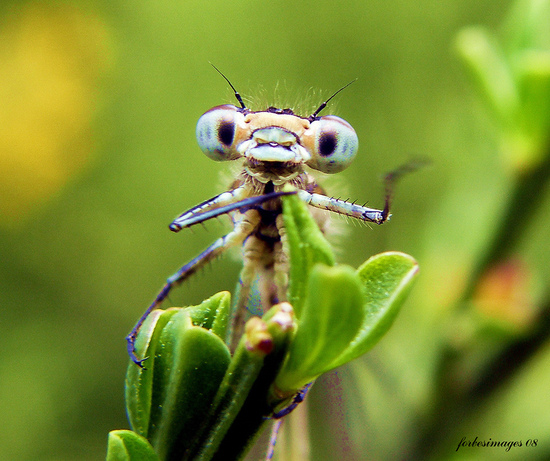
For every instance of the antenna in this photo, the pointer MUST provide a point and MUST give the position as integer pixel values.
(237, 95)
(324, 104)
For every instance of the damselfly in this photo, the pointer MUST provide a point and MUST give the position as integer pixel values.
(275, 146)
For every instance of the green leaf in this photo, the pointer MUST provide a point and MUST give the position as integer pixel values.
(526, 26)
(490, 71)
(123, 445)
(210, 314)
(232, 392)
(533, 67)
(139, 381)
(213, 313)
(345, 314)
(240, 407)
(188, 368)
(387, 279)
(331, 318)
(305, 244)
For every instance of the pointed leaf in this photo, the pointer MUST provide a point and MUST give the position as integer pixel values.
(139, 381)
(490, 71)
(189, 366)
(331, 318)
(126, 445)
(212, 313)
(240, 407)
(387, 278)
(306, 246)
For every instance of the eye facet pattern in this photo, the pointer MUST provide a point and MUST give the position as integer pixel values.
(216, 132)
(333, 146)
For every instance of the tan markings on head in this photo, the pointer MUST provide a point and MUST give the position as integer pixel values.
(292, 123)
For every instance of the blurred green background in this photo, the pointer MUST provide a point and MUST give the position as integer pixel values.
(98, 106)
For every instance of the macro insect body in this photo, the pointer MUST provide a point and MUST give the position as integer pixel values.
(275, 145)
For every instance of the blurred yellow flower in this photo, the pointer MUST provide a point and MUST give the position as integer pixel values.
(51, 62)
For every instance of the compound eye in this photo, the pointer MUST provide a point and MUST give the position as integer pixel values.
(216, 130)
(333, 144)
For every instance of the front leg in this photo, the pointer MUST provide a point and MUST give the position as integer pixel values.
(244, 226)
(236, 199)
(346, 208)
(356, 211)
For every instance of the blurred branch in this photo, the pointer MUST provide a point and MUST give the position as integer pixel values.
(525, 200)
(514, 81)
(453, 406)
(512, 358)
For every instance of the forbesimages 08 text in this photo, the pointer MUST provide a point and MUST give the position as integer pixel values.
(506, 444)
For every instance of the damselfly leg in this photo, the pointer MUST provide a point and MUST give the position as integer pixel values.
(245, 221)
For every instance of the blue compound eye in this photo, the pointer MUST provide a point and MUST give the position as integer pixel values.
(333, 145)
(216, 132)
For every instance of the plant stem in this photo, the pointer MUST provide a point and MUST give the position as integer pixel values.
(526, 198)
(452, 405)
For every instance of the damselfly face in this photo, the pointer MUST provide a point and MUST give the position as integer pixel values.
(276, 146)
(275, 143)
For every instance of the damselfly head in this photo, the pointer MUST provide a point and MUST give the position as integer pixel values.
(276, 136)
